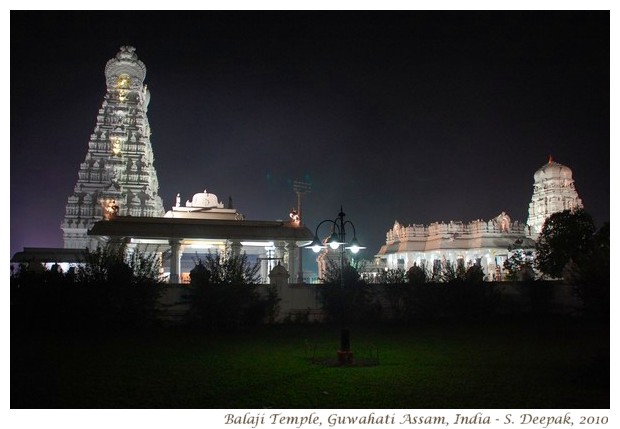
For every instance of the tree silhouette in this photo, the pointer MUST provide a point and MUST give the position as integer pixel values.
(224, 293)
(589, 273)
(112, 289)
(565, 235)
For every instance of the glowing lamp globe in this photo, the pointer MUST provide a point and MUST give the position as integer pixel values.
(316, 245)
(355, 247)
(333, 241)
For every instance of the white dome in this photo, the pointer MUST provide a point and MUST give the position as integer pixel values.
(205, 199)
(553, 170)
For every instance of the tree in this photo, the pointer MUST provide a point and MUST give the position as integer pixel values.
(473, 275)
(224, 293)
(230, 268)
(519, 265)
(350, 298)
(417, 275)
(392, 276)
(118, 288)
(565, 235)
(589, 273)
(393, 287)
(111, 290)
(469, 296)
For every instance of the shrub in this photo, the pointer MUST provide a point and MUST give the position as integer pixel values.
(224, 293)
(111, 290)
(348, 298)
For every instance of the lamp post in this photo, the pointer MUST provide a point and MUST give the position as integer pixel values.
(337, 240)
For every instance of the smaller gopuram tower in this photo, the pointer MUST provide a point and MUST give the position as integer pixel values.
(117, 176)
(554, 191)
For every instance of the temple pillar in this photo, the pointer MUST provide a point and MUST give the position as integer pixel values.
(292, 265)
(175, 261)
(265, 265)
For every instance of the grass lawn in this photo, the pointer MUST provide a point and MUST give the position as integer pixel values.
(552, 363)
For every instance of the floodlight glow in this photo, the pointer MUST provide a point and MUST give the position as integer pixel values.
(257, 244)
(355, 247)
(333, 241)
(316, 245)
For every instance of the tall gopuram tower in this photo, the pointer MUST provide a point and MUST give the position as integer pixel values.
(554, 191)
(117, 176)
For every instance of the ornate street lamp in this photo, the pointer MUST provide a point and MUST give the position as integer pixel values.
(337, 240)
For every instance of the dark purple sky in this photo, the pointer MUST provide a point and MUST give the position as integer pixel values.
(416, 116)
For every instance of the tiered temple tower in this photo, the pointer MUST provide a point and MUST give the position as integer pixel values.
(118, 175)
(554, 191)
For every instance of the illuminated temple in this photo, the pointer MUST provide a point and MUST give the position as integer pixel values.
(486, 243)
(554, 191)
(116, 196)
(118, 174)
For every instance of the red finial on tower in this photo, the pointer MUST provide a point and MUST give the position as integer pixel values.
(550, 159)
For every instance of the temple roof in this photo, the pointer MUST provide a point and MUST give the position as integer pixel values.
(125, 62)
(553, 170)
(175, 228)
(45, 254)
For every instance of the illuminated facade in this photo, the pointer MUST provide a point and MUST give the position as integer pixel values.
(264, 242)
(117, 176)
(488, 244)
(211, 227)
(554, 191)
(462, 245)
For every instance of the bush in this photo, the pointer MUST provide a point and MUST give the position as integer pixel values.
(110, 291)
(462, 294)
(224, 294)
(348, 298)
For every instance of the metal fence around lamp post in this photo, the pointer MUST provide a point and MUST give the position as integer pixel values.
(337, 240)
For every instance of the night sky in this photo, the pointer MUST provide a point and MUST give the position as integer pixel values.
(413, 116)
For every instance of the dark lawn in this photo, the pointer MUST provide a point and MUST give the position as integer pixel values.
(559, 363)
